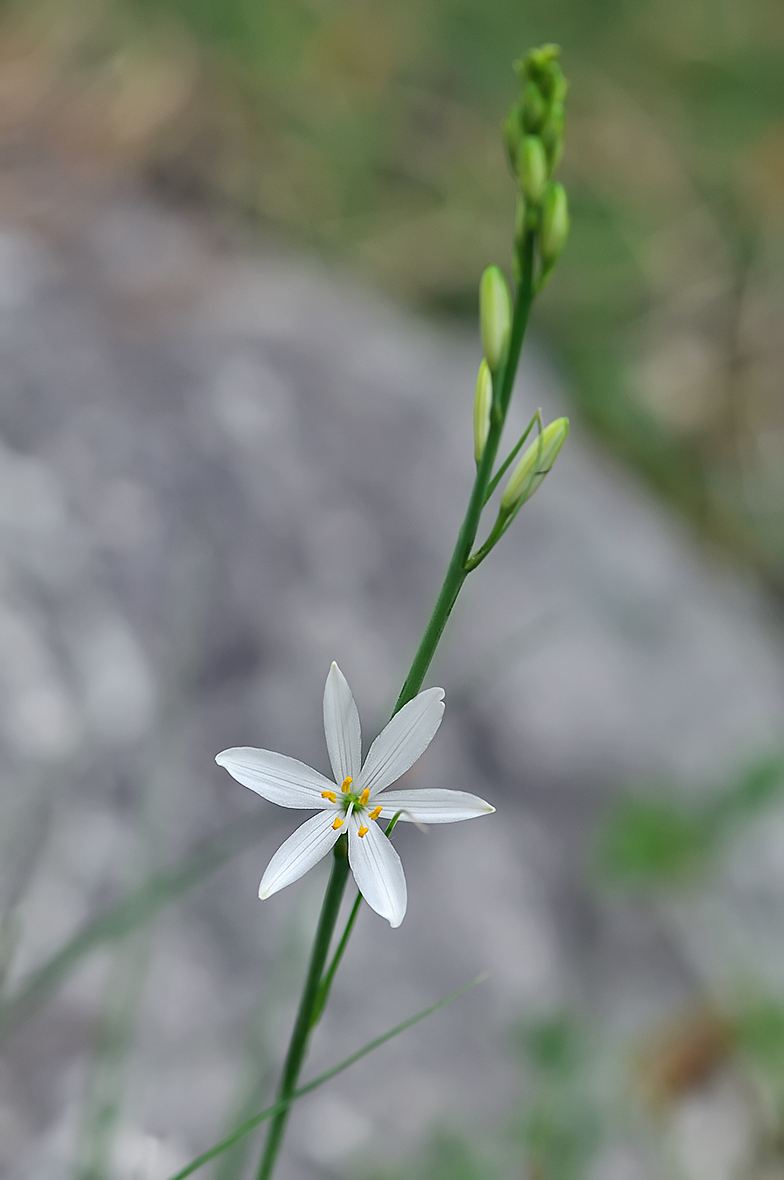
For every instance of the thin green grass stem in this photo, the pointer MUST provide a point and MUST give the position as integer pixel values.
(329, 975)
(457, 572)
(132, 911)
(304, 1023)
(283, 1104)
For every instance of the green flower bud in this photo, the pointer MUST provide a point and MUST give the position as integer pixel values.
(495, 316)
(534, 465)
(534, 108)
(538, 64)
(553, 134)
(513, 134)
(555, 224)
(558, 85)
(483, 400)
(533, 171)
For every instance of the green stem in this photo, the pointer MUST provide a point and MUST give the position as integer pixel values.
(304, 1022)
(317, 984)
(285, 1103)
(329, 975)
(456, 572)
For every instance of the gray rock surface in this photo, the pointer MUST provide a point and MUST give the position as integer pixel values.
(221, 467)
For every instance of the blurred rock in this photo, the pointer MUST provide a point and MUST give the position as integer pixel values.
(221, 467)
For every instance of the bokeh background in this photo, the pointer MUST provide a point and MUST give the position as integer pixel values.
(370, 131)
(238, 271)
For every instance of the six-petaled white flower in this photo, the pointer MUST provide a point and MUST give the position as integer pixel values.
(357, 798)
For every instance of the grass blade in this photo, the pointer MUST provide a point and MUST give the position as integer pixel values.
(160, 889)
(271, 1111)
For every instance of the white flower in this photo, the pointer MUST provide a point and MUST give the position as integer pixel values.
(357, 798)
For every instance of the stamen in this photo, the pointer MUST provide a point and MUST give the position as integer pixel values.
(376, 812)
(338, 823)
(346, 784)
(329, 795)
(363, 831)
(363, 798)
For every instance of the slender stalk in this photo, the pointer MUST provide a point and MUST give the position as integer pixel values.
(317, 983)
(300, 1036)
(329, 974)
(284, 1103)
(456, 571)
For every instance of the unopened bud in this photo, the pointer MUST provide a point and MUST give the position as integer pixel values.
(537, 63)
(553, 134)
(533, 170)
(495, 316)
(555, 224)
(513, 135)
(534, 465)
(483, 400)
(534, 108)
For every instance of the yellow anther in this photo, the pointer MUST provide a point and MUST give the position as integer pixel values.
(363, 831)
(329, 795)
(363, 798)
(376, 812)
(338, 823)
(346, 784)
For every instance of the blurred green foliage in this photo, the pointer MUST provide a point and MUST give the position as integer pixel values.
(651, 840)
(561, 1125)
(446, 1157)
(664, 837)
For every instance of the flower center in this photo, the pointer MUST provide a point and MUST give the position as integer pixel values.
(350, 801)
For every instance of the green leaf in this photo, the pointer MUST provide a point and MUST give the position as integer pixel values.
(127, 915)
(758, 787)
(278, 1107)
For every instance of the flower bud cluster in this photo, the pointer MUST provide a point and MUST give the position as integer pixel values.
(534, 134)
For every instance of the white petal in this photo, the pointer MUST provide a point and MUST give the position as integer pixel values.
(275, 777)
(402, 741)
(377, 871)
(305, 848)
(433, 806)
(341, 726)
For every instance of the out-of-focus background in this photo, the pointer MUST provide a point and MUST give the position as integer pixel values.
(239, 253)
(370, 131)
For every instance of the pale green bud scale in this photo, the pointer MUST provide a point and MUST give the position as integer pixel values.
(534, 465)
(483, 400)
(495, 316)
